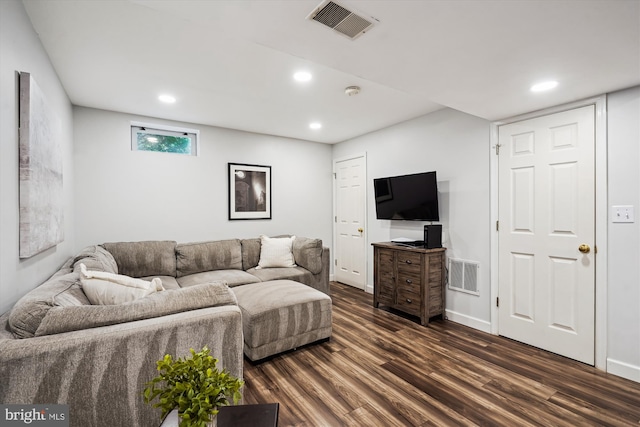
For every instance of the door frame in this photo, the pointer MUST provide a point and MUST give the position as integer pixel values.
(601, 220)
(367, 287)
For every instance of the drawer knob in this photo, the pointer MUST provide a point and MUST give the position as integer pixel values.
(409, 301)
(408, 261)
(409, 281)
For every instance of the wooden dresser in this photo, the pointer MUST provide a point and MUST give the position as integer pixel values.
(409, 279)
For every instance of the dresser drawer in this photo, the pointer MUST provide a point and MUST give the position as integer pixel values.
(409, 259)
(409, 262)
(408, 300)
(409, 278)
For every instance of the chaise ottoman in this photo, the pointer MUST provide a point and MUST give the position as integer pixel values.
(281, 315)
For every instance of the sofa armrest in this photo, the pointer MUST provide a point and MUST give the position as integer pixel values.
(324, 274)
(101, 372)
(75, 317)
(320, 281)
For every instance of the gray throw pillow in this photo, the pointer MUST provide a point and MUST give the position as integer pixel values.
(308, 253)
(250, 253)
(197, 257)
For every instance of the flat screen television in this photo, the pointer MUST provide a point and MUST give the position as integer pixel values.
(407, 197)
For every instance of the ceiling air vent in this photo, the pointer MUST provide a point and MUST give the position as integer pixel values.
(341, 19)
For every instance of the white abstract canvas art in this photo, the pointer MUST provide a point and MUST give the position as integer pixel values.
(41, 194)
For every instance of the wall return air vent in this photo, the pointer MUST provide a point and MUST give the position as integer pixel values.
(341, 19)
(463, 276)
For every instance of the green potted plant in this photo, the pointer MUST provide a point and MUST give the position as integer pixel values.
(193, 386)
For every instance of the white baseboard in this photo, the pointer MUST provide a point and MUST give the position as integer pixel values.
(624, 370)
(472, 322)
(367, 288)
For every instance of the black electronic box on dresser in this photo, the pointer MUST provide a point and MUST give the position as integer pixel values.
(409, 279)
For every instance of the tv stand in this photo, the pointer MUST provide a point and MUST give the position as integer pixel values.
(409, 279)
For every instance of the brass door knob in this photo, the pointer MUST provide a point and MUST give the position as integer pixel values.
(584, 248)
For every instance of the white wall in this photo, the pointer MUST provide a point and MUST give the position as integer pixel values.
(456, 145)
(21, 50)
(623, 329)
(125, 195)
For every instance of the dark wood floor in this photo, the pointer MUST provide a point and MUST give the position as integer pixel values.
(380, 369)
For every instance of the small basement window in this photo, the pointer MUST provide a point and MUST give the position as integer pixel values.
(164, 139)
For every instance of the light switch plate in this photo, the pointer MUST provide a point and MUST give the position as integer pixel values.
(622, 214)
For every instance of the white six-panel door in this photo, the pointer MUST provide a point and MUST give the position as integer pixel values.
(350, 222)
(547, 232)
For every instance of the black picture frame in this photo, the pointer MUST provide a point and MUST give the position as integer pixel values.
(249, 191)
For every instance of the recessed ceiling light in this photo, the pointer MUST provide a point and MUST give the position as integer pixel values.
(302, 76)
(315, 125)
(543, 86)
(167, 98)
(352, 90)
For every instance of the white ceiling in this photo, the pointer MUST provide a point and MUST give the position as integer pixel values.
(230, 63)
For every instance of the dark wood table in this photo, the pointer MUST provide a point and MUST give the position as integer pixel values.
(261, 415)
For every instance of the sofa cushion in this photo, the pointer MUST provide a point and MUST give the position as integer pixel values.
(95, 258)
(104, 288)
(297, 274)
(250, 253)
(230, 277)
(308, 253)
(141, 259)
(73, 318)
(276, 252)
(208, 256)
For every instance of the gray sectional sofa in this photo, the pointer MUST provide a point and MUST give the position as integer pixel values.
(56, 347)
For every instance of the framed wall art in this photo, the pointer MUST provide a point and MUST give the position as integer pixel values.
(41, 191)
(249, 191)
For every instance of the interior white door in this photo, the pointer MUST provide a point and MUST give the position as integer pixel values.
(350, 222)
(547, 232)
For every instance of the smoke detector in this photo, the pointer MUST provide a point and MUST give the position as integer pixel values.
(340, 19)
(352, 90)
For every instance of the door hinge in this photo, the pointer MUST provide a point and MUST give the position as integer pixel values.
(497, 225)
(497, 301)
(498, 149)
(335, 175)
(335, 262)
(335, 218)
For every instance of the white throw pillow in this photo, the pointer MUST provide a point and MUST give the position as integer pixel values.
(102, 288)
(276, 252)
